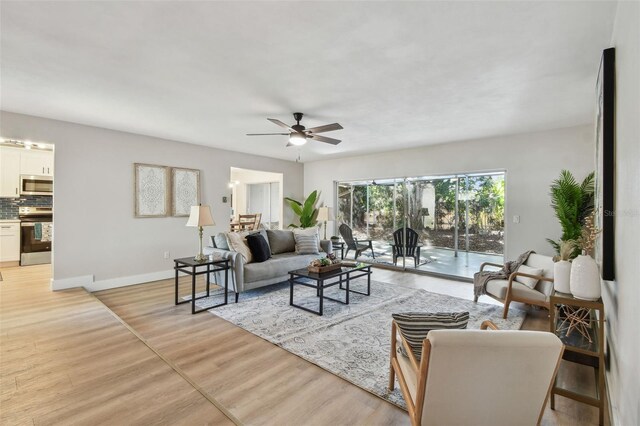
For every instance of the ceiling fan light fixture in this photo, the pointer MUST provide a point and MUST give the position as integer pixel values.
(297, 139)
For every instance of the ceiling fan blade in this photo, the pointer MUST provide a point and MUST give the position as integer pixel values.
(280, 123)
(266, 134)
(325, 139)
(325, 128)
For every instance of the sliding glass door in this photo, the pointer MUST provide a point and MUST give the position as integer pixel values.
(451, 215)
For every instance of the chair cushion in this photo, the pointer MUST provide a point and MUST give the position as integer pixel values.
(281, 241)
(498, 288)
(414, 326)
(259, 247)
(529, 282)
(237, 242)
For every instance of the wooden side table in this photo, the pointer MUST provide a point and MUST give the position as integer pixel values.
(189, 266)
(580, 326)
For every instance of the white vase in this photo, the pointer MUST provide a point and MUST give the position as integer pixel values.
(561, 274)
(585, 278)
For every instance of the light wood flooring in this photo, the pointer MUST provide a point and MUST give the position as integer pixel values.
(68, 359)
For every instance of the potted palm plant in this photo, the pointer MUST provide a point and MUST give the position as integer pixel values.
(306, 211)
(572, 203)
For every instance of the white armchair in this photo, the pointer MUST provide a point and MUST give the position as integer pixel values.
(476, 377)
(511, 289)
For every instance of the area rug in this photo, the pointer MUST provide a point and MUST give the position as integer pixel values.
(351, 341)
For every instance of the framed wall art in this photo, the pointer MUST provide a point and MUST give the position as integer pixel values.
(151, 190)
(185, 190)
(605, 164)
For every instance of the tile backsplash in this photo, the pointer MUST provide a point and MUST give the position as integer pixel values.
(9, 206)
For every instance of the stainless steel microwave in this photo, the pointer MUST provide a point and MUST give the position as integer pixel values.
(36, 185)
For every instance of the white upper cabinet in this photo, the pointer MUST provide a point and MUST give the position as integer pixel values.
(10, 171)
(35, 162)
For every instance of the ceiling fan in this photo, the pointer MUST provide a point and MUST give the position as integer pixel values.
(298, 134)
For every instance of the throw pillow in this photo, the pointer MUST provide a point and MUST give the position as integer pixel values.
(281, 241)
(529, 282)
(259, 248)
(414, 326)
(306, 244)
(237, 242)
(313, 231)
(220, 241)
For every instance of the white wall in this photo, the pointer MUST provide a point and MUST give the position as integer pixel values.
(531, 161)
(96, 236)
(622, 296)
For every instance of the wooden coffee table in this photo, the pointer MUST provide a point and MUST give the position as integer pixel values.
(340, 277)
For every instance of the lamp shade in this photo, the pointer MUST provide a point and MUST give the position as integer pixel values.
(325, 214)
(200, 216)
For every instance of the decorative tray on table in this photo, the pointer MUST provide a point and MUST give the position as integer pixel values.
(322, 269)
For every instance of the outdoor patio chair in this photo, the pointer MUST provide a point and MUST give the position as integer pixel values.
(475, 377)
(353, 243)
(407, 246)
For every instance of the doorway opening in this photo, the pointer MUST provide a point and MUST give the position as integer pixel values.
(255, 192)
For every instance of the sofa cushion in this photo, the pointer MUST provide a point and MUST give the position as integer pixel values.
(281, 241)
(306, 244)
(314, 231)
(529, 282)
(278, 266)
(220, 241)
(259, 247)
(498, 288)
(414, 326)
(238, 243)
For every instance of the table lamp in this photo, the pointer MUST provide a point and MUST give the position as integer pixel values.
(200, 216)
(325, 214)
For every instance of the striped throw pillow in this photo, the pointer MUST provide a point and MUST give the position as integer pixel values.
(306, 244)
(414, 326)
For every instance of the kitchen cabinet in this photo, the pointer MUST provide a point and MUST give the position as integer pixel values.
(36, 162)
(10, 171)
(9, 241)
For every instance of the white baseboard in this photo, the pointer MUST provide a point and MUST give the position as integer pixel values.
(73, 282)
(129, 280)
(87, 281)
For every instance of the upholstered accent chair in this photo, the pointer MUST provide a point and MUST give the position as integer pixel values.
(476, 377)
(354, 244)
(512, 289)
(405, 244)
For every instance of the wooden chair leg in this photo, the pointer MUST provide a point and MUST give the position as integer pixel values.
(372, 252)
(392, 372)
(506, 308)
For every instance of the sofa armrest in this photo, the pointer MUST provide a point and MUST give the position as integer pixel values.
(236, 262)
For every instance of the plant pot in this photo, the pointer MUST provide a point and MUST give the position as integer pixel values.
(561, 276)
(585, 278)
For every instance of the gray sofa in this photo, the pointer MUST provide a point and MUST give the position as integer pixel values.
(247, 276)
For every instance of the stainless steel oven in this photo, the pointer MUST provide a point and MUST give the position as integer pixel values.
(36, 235)
(36, 185)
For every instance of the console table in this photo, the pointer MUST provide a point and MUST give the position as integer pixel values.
(189, 266)
(580, 326)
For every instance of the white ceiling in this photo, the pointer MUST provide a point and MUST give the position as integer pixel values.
(395, 75)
